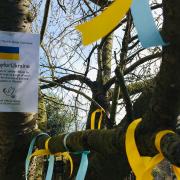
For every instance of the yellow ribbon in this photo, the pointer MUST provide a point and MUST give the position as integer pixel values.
(46, 152)
(93, 117)
(103, 24)
(143, 166)
(67, 156)
(46, 145)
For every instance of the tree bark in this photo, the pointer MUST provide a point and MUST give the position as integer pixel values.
(14, 16)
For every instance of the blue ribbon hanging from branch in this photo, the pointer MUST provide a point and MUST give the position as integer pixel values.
(83, 166)
(146, 28)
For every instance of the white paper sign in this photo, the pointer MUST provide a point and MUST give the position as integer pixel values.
(19, 71)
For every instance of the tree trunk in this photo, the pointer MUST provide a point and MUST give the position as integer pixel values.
(14, 16)
(104, 74)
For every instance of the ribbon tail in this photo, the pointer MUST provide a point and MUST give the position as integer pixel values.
(68, 157)
(177, 172)
(71, 163)
(93, 120)
(147, 31)
(83, 167)
(134, 158)
(103, 24)
(100, 119)
(150, 165)
(50, 167)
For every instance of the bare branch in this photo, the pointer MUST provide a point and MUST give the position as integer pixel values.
(125, 94)
(115, 98)
(141, 61)
(132, 67)
(46, 12)
(67, 78)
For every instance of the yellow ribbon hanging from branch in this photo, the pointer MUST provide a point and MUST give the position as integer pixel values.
(93, 118)
(143, 166)
(103, 24)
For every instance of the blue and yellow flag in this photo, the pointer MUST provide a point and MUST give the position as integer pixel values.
(9, 53)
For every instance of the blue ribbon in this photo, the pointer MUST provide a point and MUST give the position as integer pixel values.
(83, 166)
(147, 31)
(50, 167)
(28, 155)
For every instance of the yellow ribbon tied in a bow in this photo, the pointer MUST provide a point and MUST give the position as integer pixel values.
(103, 24)
(93, 118)
(46, 152)
(142, 166)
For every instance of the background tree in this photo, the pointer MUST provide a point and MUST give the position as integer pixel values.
(60, 117)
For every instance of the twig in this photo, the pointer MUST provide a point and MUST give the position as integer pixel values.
(43, 27)
(125, 94)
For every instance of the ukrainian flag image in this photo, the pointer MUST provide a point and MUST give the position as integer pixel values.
(9, 53)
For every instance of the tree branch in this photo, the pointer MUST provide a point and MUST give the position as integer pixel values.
(132, 67)
(67, 78)
(141, 61)
(134, 88)
(125, 94)
(44, 23)
(115, 98)
(82, 94)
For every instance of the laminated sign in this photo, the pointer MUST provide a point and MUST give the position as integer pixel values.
(19, 62)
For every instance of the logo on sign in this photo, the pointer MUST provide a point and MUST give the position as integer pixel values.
(9, 92)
